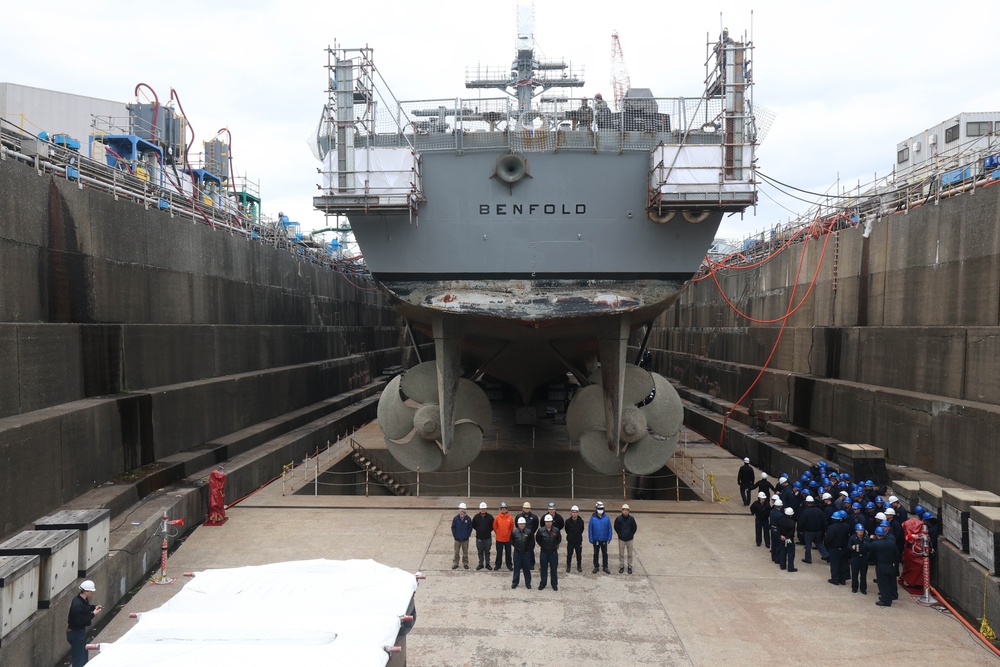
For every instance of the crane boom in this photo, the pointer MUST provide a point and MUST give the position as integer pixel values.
(619, 73)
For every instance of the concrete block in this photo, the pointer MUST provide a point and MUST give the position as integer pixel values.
(31, 451)
(982, 382)
(920, 359)
(160, 355)
(170, 295)
(93, 527)
(19, 577)
(21, 298)
(10, 397)
(121, 291)
(908, 493)
(984, 536)
(955, 507)
(90, 446)
(57, 551)
(930, 497)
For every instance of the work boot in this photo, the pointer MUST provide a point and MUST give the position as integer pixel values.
(630, 570)
(568, 568)
(466, 566)
(607, 571)
(595, 570)
(489, 567)
(479, 567)
(579, 568)
(621, 570)
(455, 566)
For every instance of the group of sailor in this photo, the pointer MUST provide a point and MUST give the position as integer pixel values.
(851, 524)
(516, 539)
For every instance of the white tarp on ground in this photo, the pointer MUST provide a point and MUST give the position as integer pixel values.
(693, 169)
(316, 612)
(387, 171)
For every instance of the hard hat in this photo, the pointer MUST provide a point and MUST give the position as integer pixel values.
(879, 501)
(834, 473)
(919, 509)
(482, 506)
(855, 506)
(778, 503)
(869, 483)
(893, 499)
(869, 505)
(88, 585)
(598, 96)
(810, 499)
(599, 505)
(890, 512)
(746, 460)
(574, 508)
(763, 475)
(520, 519)
(807, 474)
(884, 523)
(845, 494)
(552, 506)
(880, 516)
(858, 526)
(625, 506)
(797, 485)
(548, 517)
(789, 511)
(461, 506)
(782, 480)
(762, 495)
(503, 504)
(822, 464)
(925, 516)
(774, 497)
(826, 496)
(880, 531)
(846, 476)
(526, 505)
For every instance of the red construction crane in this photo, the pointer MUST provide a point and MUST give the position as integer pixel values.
(619, 73)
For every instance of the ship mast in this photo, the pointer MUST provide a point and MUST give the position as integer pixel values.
(528, 75)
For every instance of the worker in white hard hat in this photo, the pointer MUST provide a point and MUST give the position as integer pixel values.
(524, 552)
(461, 530)
(81, 613)
(760, 509)
(773, 517)
(503, 526)
(599, 533)
(764, 484)
(531, 521)
(625, 529)
(901, 514)
(744, 477)
(548, 538)
(482, 523)
(574, 539)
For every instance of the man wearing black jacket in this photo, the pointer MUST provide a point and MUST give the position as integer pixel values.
(786, 528)
(625, 529)
(81, 613)
(482, 523)
(764, 485)
(813, 523)
(548, 539)
(760, 510)
(524, 553)
(574, 539)
(745, 479)
(884, 554)
(837, 535)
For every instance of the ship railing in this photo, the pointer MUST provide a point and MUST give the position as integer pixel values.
(224, 214)
(553, 123)
(970, 166)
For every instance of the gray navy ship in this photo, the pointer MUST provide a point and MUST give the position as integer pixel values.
(531, 233)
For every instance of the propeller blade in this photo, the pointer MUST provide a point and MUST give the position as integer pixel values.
(418, 453)
(595, 453)
(420, 383)
(638, 384)
(648, 454)
(395, 418)
(665, 414)
(586, 411)
(465, 446)
(472, 405)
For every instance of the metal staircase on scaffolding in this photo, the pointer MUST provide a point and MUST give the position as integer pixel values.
(376, 470)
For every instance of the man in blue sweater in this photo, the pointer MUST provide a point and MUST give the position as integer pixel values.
(599, 534)
(461, 530)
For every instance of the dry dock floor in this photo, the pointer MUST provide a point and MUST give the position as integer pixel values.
(702, 593)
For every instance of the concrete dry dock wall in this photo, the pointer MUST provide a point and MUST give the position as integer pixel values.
(895, 346)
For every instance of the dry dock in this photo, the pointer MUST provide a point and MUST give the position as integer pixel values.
(702, 593)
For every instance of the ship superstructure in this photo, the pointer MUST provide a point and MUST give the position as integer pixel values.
(530, 233)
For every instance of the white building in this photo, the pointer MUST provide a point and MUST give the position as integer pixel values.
(949, 149)
(37, 110)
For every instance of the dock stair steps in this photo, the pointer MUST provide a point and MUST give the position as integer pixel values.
(376, 469)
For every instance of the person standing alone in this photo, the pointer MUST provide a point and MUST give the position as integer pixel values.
(574, 539)
(81, 613)
(745, 479)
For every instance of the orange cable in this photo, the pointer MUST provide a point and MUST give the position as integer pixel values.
(974, 631)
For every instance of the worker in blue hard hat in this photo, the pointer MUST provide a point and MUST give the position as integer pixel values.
(883, 552)
(837, 535)
(859, 562)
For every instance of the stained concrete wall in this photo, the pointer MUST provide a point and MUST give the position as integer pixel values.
(895, 345)
(128, 335)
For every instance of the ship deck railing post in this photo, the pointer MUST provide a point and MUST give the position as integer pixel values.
(418, 481)
(520, 482)
(624, 487)
(366, 481)
(572, 484)
(468, 481)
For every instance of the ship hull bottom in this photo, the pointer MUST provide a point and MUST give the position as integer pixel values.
(530, 331)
